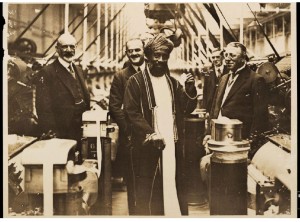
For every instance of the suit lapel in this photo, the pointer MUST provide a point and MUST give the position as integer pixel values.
(243, 75)
(82, 81)
(64, 76)
(131, 71)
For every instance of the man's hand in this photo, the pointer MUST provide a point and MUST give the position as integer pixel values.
(205, 144)
(156, 141)
(189, 82)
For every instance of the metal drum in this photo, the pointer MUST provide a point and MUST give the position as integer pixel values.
(226, 130)
(228, 185)
(194, 151)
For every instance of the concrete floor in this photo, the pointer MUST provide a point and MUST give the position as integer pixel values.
(196, 210)
(119, 204)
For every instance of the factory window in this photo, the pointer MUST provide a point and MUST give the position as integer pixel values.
(287, 24)
(278, 23)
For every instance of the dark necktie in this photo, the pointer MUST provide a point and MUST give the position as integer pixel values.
(71, 70)
(219, 74)
(139, 69)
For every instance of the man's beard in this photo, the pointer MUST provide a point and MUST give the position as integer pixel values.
(158, 68)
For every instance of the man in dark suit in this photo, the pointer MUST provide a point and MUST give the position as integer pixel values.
(242, 94)
(212, 78)
(135, 54)
(61, 93)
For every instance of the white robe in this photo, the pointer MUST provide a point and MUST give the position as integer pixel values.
(164, 126)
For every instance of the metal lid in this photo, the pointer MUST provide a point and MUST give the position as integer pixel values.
(227, 122)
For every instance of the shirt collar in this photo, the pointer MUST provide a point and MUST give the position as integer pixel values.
(220, 67)
(64, 63)
(142, 67)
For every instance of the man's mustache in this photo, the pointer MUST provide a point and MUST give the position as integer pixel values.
(68, 54)
(135, 56)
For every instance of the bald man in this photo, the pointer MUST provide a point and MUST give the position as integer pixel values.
(155, 104)
(61, 93)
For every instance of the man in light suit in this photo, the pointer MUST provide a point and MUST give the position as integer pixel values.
(136, 63)
(61, 93)
(212, 78)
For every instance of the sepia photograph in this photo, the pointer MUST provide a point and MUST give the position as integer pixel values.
(136, 109)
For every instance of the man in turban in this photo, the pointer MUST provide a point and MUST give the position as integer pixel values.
(155, 105)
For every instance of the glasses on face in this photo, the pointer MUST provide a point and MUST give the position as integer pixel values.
(64, 47)
(216, 57)
(230, 55)
(133, 50)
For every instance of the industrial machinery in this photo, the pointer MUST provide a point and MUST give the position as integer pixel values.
(160, 16)
(270, 177)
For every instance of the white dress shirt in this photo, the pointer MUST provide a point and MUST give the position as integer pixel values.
(229, 85)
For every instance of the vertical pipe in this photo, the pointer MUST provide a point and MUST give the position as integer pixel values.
(117, 35)
(84, 62)
(66, 17)
(112, 33)
(98, 28)
(242, 26)
(106, 32)
(122, 35)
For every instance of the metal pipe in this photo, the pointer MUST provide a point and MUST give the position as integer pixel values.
(83, 19)
(102, 49)
(241, 26)
(66, 16)
(98, 28)
(101, 32)
(33, 21)
(112, 33)
(106, 30)
(84, 37)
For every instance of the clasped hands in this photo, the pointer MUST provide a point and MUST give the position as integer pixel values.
(156, 140)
